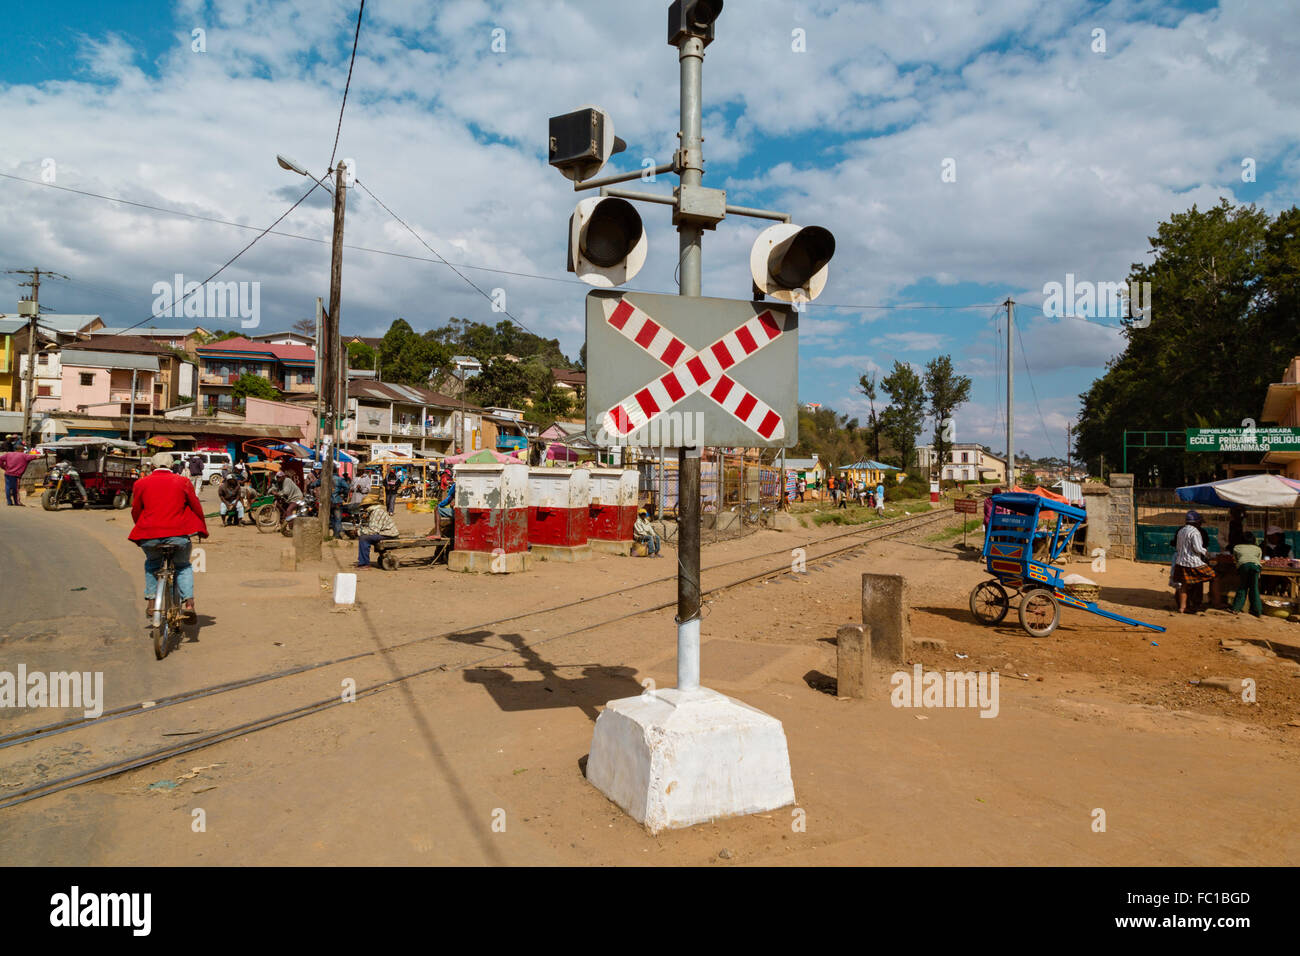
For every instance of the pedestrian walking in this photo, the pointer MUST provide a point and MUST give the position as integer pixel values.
(1190, 569)
(196, 472)
(392, 481)
(14, 464)
(880, 498)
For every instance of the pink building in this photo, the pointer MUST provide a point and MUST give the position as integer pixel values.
(100, 383)
(261, 411)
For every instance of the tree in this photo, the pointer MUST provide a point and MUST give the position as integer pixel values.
(868, 387)
(360, 355)
(1224, 286)
(902, 420)
(406, 358)
(500, 383)
(581, 364)
(947, 392)
(551, 404)
(254, 385)
(305, 327)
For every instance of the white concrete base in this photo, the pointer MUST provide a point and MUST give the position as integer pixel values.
(674, 758)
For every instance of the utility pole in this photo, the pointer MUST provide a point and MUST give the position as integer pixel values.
(320, 372)
(330, 347)
(33, 313)
(1067, 450)
(1011, 428)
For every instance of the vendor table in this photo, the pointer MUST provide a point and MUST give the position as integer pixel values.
(1290, 575)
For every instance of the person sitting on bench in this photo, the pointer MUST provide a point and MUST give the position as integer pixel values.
(644, 532)
(446, 507)
(376, 525)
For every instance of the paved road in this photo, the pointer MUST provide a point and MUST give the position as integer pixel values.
(69, 605)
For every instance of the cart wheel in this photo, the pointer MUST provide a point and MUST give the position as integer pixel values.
(1039, 612)
(388, 561)
(48, 502)
(989, 602)
(121, 500)
(267, 519)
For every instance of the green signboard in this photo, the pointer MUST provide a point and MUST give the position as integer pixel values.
(1243, 439)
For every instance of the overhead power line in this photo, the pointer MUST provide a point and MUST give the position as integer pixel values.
(355, 37)
(177, 304)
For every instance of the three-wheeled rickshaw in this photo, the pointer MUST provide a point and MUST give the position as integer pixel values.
(85, 470)
(1022, 557)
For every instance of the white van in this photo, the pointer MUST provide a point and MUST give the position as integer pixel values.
(213, 462)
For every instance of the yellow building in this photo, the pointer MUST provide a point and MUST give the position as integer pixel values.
(9, 368)
(1282, 407)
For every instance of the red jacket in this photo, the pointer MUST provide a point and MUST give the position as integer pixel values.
(164, 505)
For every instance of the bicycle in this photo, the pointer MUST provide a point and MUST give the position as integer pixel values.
(169, 616)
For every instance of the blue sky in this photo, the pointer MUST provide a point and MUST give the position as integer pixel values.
(1061, 157)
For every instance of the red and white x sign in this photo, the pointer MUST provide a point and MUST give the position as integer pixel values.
(690, 371)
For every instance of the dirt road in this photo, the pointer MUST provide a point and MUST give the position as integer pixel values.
(478, 760)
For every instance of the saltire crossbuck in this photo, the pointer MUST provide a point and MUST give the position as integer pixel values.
(690, 371)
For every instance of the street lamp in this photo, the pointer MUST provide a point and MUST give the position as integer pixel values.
(290, 165)
(465, 364)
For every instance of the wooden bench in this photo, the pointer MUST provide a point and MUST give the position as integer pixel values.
(387, 549)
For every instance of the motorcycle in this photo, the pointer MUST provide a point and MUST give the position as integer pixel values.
(308, 507)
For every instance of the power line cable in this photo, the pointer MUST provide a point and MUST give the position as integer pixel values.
(176, 305)
(355, 37)
(1024, 359)
(467, 280)
(514, 273)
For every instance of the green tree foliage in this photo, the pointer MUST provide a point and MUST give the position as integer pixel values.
(551, 403)
(406, 358)
(255, 386)
(501, 383)
(1225, 289)
(901, 422)
(869, 387)
(360, 355)
(947, 391)
(834, 438)
(463, 337)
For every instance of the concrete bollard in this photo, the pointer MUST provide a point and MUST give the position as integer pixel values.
(884, 614)
(306, 539)
(852, 660)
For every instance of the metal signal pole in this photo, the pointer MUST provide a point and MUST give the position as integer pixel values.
(690, 54)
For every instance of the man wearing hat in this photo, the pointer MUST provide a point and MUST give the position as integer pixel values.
(1191, 568)
(376, 524)
(14, 464)
(644, 532)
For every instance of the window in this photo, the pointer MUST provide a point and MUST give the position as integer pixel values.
(43, 391)
(87, 378)
(42, 358)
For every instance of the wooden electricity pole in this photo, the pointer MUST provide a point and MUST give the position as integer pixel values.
(33, 313)
(329, 346)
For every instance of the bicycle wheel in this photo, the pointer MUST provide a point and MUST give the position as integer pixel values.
(989, 602)
(161, 632)
(1039, 612)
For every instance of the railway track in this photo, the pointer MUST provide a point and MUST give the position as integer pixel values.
(860, 538)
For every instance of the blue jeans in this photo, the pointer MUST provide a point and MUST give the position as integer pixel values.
(651, 543)
(153, 562)
(364, 543)
(11, 490)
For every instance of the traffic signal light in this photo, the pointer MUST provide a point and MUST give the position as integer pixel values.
(581, 142)
(789, 262)
(607, 242)
(692, 18)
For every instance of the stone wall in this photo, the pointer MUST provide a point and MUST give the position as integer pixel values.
(1111, 522)
(1122, 525)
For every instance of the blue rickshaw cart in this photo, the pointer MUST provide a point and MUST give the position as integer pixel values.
(1020, 555)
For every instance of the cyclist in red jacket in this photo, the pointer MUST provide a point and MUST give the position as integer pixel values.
(166, 511)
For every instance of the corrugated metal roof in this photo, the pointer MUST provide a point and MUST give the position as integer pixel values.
(89, 357)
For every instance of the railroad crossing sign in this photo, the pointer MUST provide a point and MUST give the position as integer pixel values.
(683, 371)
